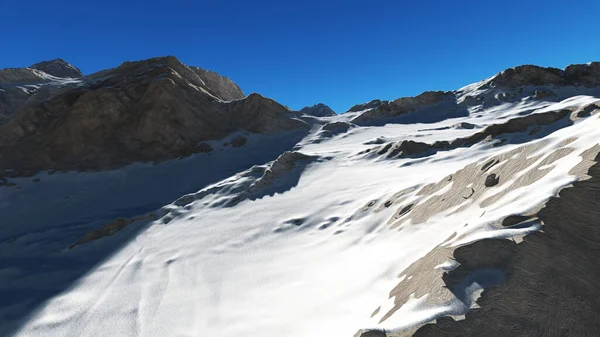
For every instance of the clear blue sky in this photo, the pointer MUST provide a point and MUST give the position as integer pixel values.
(304, 52)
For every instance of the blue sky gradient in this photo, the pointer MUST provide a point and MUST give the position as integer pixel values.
(304, 52)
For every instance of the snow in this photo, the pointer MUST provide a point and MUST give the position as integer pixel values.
(308, 260)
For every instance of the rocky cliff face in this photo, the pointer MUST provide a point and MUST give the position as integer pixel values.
(221, 86)
(151, 110)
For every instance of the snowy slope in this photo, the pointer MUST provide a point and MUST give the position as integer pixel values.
(322, 241)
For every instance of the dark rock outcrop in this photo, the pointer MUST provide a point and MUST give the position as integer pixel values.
(318, 110)
(552, 276)
(491, 180)
(58, 68)
(578, 74)
(587, 75)
(369, 105)
(527, 75)
(409, 148)
(337, 127)
(404, 105)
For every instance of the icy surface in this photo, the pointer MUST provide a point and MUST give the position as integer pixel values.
(308, 260)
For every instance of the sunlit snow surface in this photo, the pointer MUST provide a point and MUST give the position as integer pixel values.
(305, 262)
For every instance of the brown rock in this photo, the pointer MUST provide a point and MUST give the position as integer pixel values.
(221, 86)
(527, 75)
(151, 110)
(403, 105)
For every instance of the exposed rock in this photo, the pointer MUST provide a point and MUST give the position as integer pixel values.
(518, 77)
(38, 73)
(405, 148)
(527, 75)
(376, 103)
(583, 74)
(403, 105)
(409, 148)
(21, 76)
(515, 219)
(464, 125)
(58, 68)
(285, 163)
(489, 164)
(491, 180)
(318, 110)
(587, 111)
(545, 293)
(221, 86)
(260, 180)
(151, 110)
(519, 124)
(337, 127)
(371, 333)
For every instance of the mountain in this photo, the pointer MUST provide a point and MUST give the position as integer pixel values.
(58, 68)
(155, 199)
(34, 83)
(318, 110)
(152, 110)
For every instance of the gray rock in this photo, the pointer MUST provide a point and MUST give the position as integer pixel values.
(58, 68)
(403, 105)
(369, 105)
(491, 180)
(318, 110)
(221, 86)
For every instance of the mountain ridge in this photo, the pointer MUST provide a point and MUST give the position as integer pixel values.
(153, 200)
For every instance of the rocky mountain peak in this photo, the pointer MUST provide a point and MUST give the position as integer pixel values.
(527, 75)
(318, 110)
(530, 75)
(59, 68)
(150, 110)
(212, 83)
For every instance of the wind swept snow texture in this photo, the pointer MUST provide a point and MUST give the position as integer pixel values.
(349, 243)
